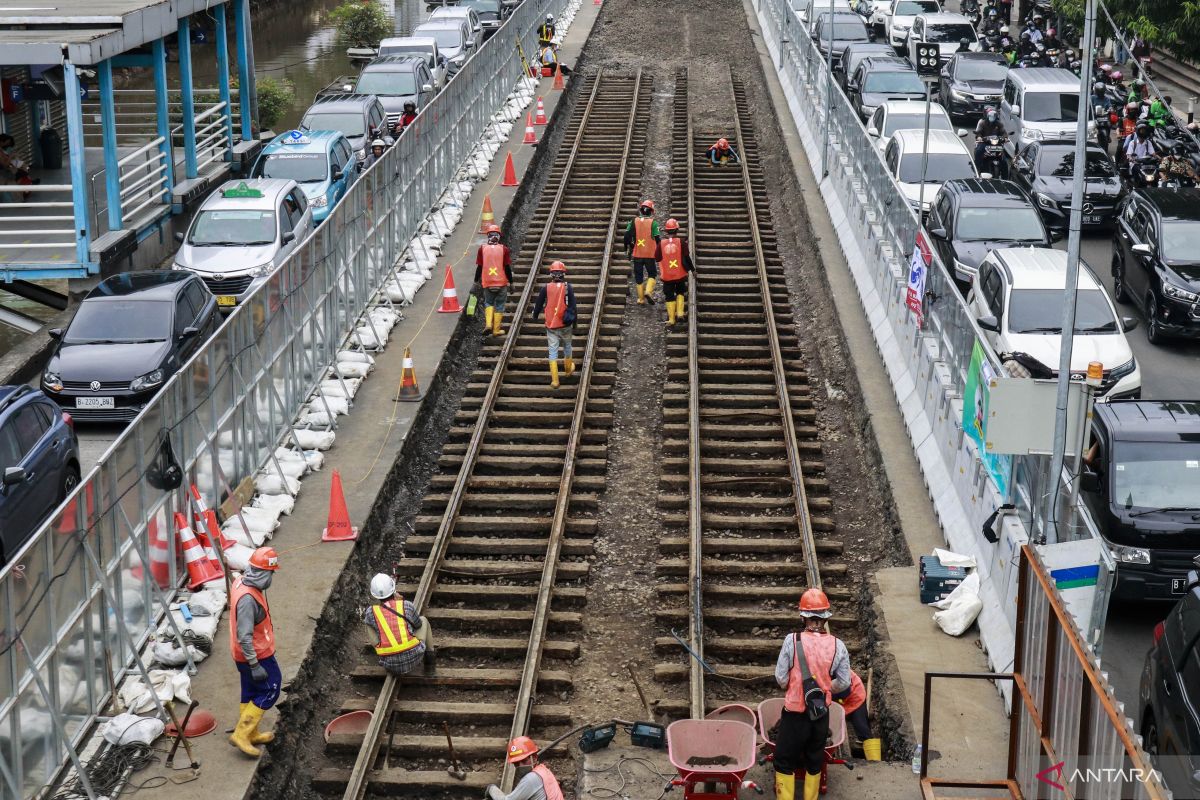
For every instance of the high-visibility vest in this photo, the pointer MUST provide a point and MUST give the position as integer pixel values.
(670, 266)
(549, 782)
(264, 632)
(394, 635)
(643, 237)
(493, 266)
(556, 304)
(857, 696)
(819, 650)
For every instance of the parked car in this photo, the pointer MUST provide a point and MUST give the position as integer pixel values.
(945, 30)
(360, 117)
(129, 336)
(1045, 170)
(464, 12)
(424, 46)
(896, 17)
(948, 159)
(453, 38)
(811, 9)
(1140, 485)
(853, 55)
(971, 83)
(1017, 300)
(1040, 104)
(492, 14)
(241, 233)
(1156, 260)
(322, 162)
(397, 80)
(971, 217)
(837, 31)
(39, 463)
(898, 115)
(880, 79)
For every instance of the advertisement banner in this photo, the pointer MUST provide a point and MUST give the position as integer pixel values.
(918, 268)
(975, 416)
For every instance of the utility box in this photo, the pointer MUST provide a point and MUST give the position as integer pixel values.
(937, 581)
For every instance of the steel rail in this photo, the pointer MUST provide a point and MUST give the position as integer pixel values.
(803, 518)
(527, 687)
(357, 785)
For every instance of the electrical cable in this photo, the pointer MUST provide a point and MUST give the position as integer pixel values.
(108, 769)
(608, 791)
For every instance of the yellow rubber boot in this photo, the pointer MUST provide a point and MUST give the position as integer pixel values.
(812, 786)
(488, 314)
(247, 722)
(259, 737)
(569, 365)
(496, 317)
(872, 749)
(785, 786)
(641, 294)
(680, 306)
(671, 313)
(650, 289)
(553, 374)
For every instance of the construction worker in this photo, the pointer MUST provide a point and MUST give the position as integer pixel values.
(252, 642)
(493, 273)
(558, 300)
(403, 633)
(800, 744)
(547, 57)
(674, 263)
(534, 781)
(641, 245)
(722, 152)
(547, 30)
(854, 701)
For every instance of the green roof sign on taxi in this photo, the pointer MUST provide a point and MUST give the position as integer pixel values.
(241, 192)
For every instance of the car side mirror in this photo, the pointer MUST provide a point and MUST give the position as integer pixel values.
(55, 333)
(188, 332)
(962, 132)
(337, 176)
(938, 233)
(14, 475)
(427, 87)
(872, 130)
(1057, 235)
(179, 236)
(289, 237)
(1089, 482)
(1143, 249)
(1014, 111)
(1129, 323)
(989, 323)
(986, 175)
(470, 43)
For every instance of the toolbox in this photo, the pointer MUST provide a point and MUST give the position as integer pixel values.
(597, 737)
(937, 581)
(648, 734)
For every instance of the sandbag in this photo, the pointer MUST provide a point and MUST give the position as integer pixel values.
(314, 440)
(273, 484)
(129, 728)
(960, 607)
(278, 503)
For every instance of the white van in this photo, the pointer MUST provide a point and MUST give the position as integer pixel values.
(1040, 103)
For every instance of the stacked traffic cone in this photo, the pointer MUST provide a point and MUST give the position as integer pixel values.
(206, 543)
(558, 78)
(540, 119)
(449, 295)
(409, 390)
(510, 172)
(488, 216)
(208, 517)
(338, 528)
(200, 569)
(530, 136)
(160, 554)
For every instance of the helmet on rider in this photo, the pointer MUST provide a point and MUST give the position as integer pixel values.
(1106, 68)
(1143, 128)
(383, 587)
(1004, 30)
(814, 603)
(1139, 84)
(1117, 75)
(410, 106)
(1025, 36)
(964, 42)
(992, 13)
(1050, 32)
(378, 143)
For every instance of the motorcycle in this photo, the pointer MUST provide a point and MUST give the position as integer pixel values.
(992, 160)
(1105, 120)
(1142, 172)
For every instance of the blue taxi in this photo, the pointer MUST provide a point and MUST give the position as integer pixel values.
(321, 162)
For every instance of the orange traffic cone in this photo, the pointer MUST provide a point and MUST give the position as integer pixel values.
(558, 79)
(338, 529)
(510, 172)
(530, 136)
(449, 295)
(540, 119)
(200, 569)
(206, 543)
(488, 216)
(160, 554)
(208, 517)
(409, 391)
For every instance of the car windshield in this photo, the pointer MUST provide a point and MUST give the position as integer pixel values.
(1156, 474)
(299, 167)
(1181, 241)
(899, 122)
(999, 224)
(386, 83)
(911, 8)
(894, 83)
(1040, 311)
(1061, 164)
(407, 50)
(447, 38)
(1050, 107)
(842, 31)
(349, 123)
(120, 320)
(232, 227)
(941, 167)
(481, 6)
(949, 33)
(980, 69)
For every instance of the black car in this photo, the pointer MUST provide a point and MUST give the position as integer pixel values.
(970, 83)
(838, 31)
(1142, 485)
(973, 216)
(130, 334)
(878, 80)
(1045, 170)
(854, 54)
(1156, 260)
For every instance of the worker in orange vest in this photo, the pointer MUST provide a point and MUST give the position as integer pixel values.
(558, 300)
(252, 643)
(722, 152)
(854, 700)
(404, 638)
(811, 674)
(674, 263)
(493, 272)
(641, 239)
(534, 781)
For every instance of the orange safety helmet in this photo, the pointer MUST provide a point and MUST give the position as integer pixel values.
(265, 558)
(647, 204)
(723, 143)
(814, 603)
(558, 266)
(492, 228)
(521, 748)
(671, 225)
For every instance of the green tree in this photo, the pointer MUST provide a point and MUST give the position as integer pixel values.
(275, 98)
(361, 23)
(1167, 24)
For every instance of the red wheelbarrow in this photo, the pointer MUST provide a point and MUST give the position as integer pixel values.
(769, 712)
(712, 757)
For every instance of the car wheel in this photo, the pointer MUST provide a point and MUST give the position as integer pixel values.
(1118, 273)
(1154, 332)
(69, 482)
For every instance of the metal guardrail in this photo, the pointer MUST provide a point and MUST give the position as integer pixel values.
(135, 115)
(48, 215)
(82, 596)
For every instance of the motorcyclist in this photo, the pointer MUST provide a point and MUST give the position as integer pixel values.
(1160, 114)
(1177, 165)
(1009, 51)
(1138, 92)
(991, 23)
(1033, 29)
(377, 148)
(1050, 39)
(406, 119)
(989, 125)
(1138, 146)
(964, 45)
(1025, 44)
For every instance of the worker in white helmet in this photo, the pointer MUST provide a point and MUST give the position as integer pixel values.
(403, 634)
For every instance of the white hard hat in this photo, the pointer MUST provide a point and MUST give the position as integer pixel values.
(383, 587)
(549, 18)
(378, 143)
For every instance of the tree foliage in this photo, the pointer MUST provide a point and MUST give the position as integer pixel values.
(1166, 24)
(275, 98)
(361, 23)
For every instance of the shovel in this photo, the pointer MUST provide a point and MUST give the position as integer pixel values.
(454, 770)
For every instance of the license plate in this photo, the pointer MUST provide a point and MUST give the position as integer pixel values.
(94, 402)
(1091, 219)
(1178, 585)
(226, 300)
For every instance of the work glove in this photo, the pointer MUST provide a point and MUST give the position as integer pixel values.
(259, 673)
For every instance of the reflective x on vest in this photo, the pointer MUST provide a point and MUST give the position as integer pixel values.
(671, 264)
(393, 630)
(493, 266)
(643, 237)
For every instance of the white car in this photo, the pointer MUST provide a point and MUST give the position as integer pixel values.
(1017, 299)
(811, 11)
(896, 17)
(945, 30)
(465, 13)
(948, 158)
(424, 46)
(898, 115)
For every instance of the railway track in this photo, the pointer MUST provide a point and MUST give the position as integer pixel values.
(497, 560)
(742, 491)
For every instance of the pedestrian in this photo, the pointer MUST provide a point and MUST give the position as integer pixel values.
(674, 263)
(722, 152)
(854, 701)
(534, 781)
(252, 642)
(558, 300)
(641, 244)
(493, 273)
(811, 674)
(404, 639)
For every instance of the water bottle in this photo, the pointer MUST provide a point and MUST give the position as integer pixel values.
(916, 761)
